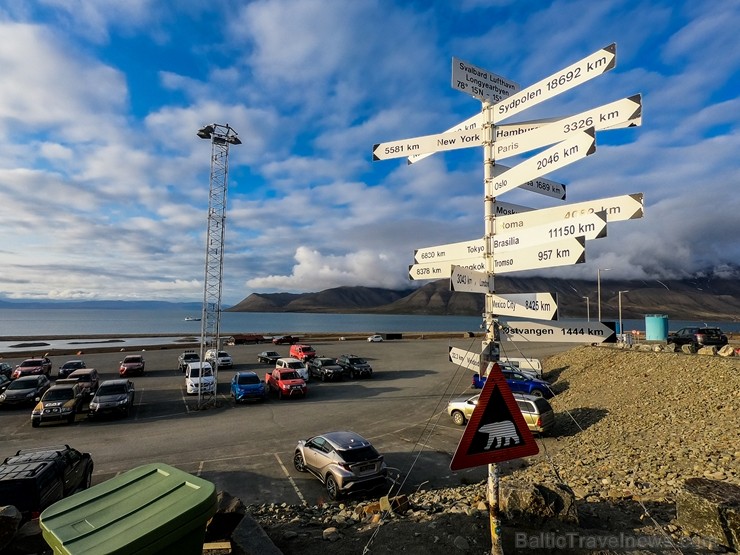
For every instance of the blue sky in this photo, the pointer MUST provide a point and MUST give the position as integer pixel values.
(104, 184)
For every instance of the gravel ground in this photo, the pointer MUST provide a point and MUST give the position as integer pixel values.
(631, 427)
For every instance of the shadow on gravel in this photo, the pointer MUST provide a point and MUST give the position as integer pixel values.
(553, 375)
(584, 416)
(559, 387)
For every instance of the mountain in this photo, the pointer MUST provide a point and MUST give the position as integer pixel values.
(700, 298)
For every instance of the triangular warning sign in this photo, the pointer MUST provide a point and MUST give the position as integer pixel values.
(497, 430)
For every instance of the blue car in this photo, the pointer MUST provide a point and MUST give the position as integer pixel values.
(519, 383)
(247, 386)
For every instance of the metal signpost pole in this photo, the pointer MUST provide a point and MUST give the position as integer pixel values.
(490, 347)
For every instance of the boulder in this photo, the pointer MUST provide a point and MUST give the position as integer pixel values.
(229, 512)
(10, 520)
(688, 349)
(711, 509)
(709, 350)
(726, 351)
(525, 502)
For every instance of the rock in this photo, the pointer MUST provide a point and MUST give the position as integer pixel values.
(726, 351)
(249, 538)
(331, 534)
(711, 509)
(710, 350)
(688, 349)
(524, 501)
(28, 539)
(462, 544)
(10, 520)
(229, 512)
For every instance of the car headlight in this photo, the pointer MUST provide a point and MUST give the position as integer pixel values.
(2, 397)
(122, 402)
(30, 395)
(93, 406)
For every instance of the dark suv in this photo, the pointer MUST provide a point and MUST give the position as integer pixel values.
(698, 337)
(355, 366)
(33, 479)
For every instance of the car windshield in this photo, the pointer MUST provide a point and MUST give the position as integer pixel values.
(131, 360)
(112, 389)
(81, 377)
(60, 394)
(248, 379)
(358, 455)
(223, 354)
(30, 363)
(357, 361)
(295, 365)
(195, 372)
(20, 383)
(67, 365)
(289, 376)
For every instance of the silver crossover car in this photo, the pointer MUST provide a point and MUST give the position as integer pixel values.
(343, 461)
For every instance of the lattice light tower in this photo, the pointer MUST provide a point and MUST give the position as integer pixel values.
(221, 137)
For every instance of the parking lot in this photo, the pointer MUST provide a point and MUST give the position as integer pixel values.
(247, 449)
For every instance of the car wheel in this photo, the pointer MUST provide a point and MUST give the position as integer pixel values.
(331, 487)
(537, 393)
(298, 462)
(458, 418)
(323, 377)
(280, 395)
(35, 423)
(71, 418)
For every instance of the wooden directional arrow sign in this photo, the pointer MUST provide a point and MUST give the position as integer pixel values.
(570, 331)
(625, 207)
(466, 359)
(452, 251)
(579, 146)
(480, 83)
(538, 185)
(592, 226)
(428, 144)
(470, 281)
(541, 306)
(501, 208)
(563, 252)
(537, 138)
(584, 70)
(443, 268)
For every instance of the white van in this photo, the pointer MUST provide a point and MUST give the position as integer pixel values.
(194, 379)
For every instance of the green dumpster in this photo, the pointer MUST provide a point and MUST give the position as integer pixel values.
(151, 509)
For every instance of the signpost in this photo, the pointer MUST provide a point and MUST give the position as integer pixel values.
(592, 226)
(582, 144)
(624, 207)
(470, 281)
(576, 74)
(428, 144)
(563, 252)
(508, 208)
(570, 331)
(541, 306)
(465, 359)
(451, 251)
(538, 185)
(480, 83)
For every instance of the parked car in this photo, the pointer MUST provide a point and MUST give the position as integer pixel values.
(245, 338)
(375, 338)
(186, 358)
(224, 358)
(286, 383)
(343, 461)
(62, 401)
(537, 412)
(302, 352)
(268, 357)
(132, 365)
(88, 379)
(5, 381)
(6, 369)
(325, 368)
(246, 386)
(25, 391)
(199, 375)
(70, 366)
(34, 479)
(285, 340)
(32, 366)
(698, 337)
(290, 363)
(355, 367)
(113, 397)
(519, 383)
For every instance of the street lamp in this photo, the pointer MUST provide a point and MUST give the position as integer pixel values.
(619, 295)
(598, 288)
(588, 313)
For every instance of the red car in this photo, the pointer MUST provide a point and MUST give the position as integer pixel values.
(33, 366)
(132, 364)
(285, 340)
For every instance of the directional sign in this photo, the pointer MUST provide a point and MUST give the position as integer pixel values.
(537, 138)
(579, 146)
(542, 306)
(564, 331)
(584, 70)
(538, 185)
(480, 83)
(452, 251)
(470, 281)
(591, 226)
(563, 252)
(443, 268)
(625, 207)
(501, 208)
(497, 430)
(465, 359)
(428, 144)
